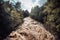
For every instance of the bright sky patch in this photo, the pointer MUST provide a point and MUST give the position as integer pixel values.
(28, 4)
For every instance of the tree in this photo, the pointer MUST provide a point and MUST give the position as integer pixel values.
(52, 19)
(36, 14)
(25, 13)
(35, 11)
(9, 20)
(18, 6)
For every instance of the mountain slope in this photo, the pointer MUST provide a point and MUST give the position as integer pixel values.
(30, 30)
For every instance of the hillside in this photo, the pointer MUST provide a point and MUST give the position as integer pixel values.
(30, 30)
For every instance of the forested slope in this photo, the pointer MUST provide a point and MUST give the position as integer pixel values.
(49, 15)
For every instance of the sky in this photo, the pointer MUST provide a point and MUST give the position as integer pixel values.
(29, 4)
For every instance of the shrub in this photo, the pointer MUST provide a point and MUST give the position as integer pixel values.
(9, 19)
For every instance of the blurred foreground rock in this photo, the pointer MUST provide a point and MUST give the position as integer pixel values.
(30, 30)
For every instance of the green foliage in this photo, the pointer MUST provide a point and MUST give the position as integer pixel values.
(10, 19)
(58, 28)
(49, 14)
(52, 17)
(18, 6)
(1, 1)
(25, 13)
(15, 17)
(36, 14)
